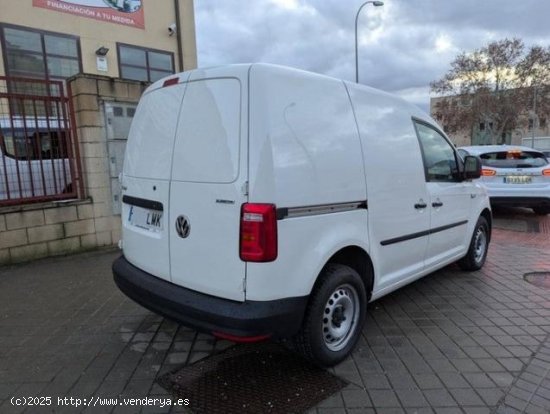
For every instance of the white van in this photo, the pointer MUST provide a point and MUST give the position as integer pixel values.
(265, 202)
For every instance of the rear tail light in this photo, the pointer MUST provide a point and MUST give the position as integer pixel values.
(486, 172)
(546, 173)
(258, 239)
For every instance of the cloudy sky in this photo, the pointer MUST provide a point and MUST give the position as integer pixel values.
(403, 46)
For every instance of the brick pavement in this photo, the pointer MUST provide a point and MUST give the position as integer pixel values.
(453, 342)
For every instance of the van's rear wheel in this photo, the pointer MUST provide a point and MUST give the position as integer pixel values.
(335, 316)
(479, 245)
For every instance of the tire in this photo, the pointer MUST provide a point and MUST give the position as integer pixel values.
(341, 295)
(479, 245)
(541, 211)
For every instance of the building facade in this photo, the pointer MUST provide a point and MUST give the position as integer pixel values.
(71, 75)
(128, 39)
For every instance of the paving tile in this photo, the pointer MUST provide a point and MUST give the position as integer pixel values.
(541, 401)
(466, 397)
(448, 410)
(7, 390)
(490, 396)
(477, 410)
(490, 365)
(410, 398)
(478, 380)
(534, 409)
(384, 410)
(439, 398)
(465, 365)
(356, 398)
(383, 399)
(515, 402)
(376, 382)
(419, 410)
(453, 380)
(427, 381)
(400, 380)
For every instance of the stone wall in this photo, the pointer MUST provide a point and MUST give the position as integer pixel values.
(33, 231)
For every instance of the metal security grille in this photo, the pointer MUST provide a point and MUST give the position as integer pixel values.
(253, 378)
(39, 158)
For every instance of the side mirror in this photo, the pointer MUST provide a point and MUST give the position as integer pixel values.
(472, 167)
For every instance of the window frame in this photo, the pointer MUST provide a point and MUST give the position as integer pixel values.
(43, 54)
(458, 159)
(148, 68)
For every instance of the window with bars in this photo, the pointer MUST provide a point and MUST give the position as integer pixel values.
(149, 65)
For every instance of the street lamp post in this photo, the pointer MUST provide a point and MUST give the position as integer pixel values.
(376, 4)
(534, 116)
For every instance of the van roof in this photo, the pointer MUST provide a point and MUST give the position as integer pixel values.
(242, 71)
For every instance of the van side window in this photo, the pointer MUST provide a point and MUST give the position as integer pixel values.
(439, 157)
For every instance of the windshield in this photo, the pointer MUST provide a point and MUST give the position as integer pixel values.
(514, 159)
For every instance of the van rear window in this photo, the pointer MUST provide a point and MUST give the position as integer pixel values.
(514, 159)
(208, 136)
(151, 137)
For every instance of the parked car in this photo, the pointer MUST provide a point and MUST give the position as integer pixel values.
(265, 202)
(514, 175)
(33, 158)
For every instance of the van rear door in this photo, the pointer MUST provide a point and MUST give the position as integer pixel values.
(208, 187)
(146, 180)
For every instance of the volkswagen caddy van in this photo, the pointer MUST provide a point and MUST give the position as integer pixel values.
(265, 202)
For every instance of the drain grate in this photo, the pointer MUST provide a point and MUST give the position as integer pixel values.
(252, 378)
(539, 279)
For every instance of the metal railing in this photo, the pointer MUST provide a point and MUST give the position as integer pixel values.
(39, 156)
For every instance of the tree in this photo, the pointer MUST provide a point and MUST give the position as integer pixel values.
(496, 86)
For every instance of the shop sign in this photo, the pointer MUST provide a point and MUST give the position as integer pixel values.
(125, 12)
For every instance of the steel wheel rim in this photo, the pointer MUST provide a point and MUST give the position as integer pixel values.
(340, 316)
(480, 245)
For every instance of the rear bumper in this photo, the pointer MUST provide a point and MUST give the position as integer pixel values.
(276, 318)
(520, 201)
(523, 195)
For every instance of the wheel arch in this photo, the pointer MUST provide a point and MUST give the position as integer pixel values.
(487, 215)
(356, 258)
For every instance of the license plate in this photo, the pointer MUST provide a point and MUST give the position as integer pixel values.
(145, 219)
(517, 179)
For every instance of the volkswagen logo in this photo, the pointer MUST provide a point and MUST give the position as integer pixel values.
(183, 227)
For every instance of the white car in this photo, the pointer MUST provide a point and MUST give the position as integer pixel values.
(34, 161)
(514, 175)
(263, 202)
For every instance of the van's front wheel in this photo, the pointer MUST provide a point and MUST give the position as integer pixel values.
(479, 245)
(335, 316)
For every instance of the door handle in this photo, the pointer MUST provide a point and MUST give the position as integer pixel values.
(420, 205)
(437, 204)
